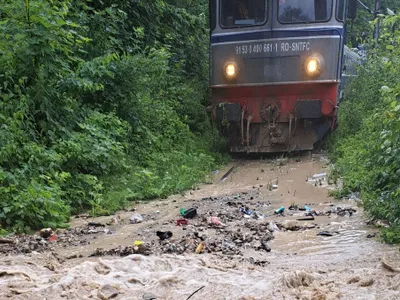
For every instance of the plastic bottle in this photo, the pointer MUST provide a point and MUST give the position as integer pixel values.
(280, 210)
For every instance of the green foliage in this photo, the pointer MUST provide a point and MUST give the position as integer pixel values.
(366, 147)
(100, 103)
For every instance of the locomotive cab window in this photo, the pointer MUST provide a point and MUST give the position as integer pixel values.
(304, 11)
(236, 13)
(340, 10)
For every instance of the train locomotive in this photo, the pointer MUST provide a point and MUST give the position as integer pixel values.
(277, 69)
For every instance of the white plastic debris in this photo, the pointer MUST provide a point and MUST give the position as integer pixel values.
(136, 218)
(320, 175)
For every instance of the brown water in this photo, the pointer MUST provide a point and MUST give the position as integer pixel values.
(302, 265)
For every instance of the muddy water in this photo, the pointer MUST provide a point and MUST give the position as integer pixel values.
(301, 265)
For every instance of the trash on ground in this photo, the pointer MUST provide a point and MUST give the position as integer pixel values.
(280, 210)
(116, 220)
(190, 213)
(319, 175)
(96, 224)
(46, 233)
(181, 222)
(327, 233)
(53, 238)
(215, 221)
(200, 248)
(164, 235)
(138, 243)
(347, 212)
(272, 227)
(142, 249)
(309, 218)
(136, 218)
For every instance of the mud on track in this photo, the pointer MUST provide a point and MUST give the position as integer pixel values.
(235, 264)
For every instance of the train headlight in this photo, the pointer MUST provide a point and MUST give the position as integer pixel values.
(314, 65)
(231, 70)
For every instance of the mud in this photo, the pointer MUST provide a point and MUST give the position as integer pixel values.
(319, 249)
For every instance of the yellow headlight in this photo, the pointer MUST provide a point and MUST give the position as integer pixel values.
(314, 65)
(230, 70)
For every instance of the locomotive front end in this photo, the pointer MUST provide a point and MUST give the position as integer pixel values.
(275, 71)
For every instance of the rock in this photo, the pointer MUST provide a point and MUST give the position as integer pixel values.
(388, 266)
(372, 235)
(290, 225)
(354, 279)
(265, 246)
(135, 281)
(149, 296)
(366, 282)
(268, 236)
(102, 268)
(107, 292)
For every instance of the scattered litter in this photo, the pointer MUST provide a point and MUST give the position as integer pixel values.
(142, 249)
(200, 248)
(138, 243)
(164, 235)
(116, 220)
(96, 224)
(327, 233)
(280, 210)
(53, 238)
(181, 222)
(274, 186)
(309, 218)
(215, 221)
(136, 218)
(46, 233)
(347, 212)
(272, 227)
(190, 213)
(318, 176)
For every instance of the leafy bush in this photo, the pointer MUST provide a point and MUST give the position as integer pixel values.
(100, 103)
(366, 147)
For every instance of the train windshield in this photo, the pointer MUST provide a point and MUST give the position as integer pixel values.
(304, 11)
(235, 13)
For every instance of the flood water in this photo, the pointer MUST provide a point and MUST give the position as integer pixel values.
(301, 264)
